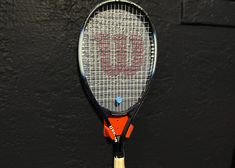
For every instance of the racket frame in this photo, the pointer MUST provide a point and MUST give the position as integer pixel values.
(80, 62)
(101, 111)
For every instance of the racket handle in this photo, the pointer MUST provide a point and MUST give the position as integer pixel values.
(119, 162)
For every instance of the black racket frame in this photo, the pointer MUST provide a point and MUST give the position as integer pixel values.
(102, 112)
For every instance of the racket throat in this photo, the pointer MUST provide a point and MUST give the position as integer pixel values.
(118, 149)
(116, 127)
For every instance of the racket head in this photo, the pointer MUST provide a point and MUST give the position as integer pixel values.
(91, 51)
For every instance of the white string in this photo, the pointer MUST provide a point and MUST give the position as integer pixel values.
(126, 22)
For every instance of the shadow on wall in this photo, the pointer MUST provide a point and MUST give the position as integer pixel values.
(233, 159)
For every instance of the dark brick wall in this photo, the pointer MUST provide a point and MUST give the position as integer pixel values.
(186, 121)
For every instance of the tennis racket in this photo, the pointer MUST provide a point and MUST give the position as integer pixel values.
(117, 54)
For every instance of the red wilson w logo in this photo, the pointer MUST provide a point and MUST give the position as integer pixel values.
(128, 53)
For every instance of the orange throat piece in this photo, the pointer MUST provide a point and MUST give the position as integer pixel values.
(118, 125)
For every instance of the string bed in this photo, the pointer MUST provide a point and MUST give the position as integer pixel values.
(117, 55)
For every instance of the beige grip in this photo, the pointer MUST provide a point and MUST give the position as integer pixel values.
(119, 162)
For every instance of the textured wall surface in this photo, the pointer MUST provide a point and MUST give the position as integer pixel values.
(187, 121)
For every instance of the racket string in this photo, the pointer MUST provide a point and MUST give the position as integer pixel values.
(117, 55)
